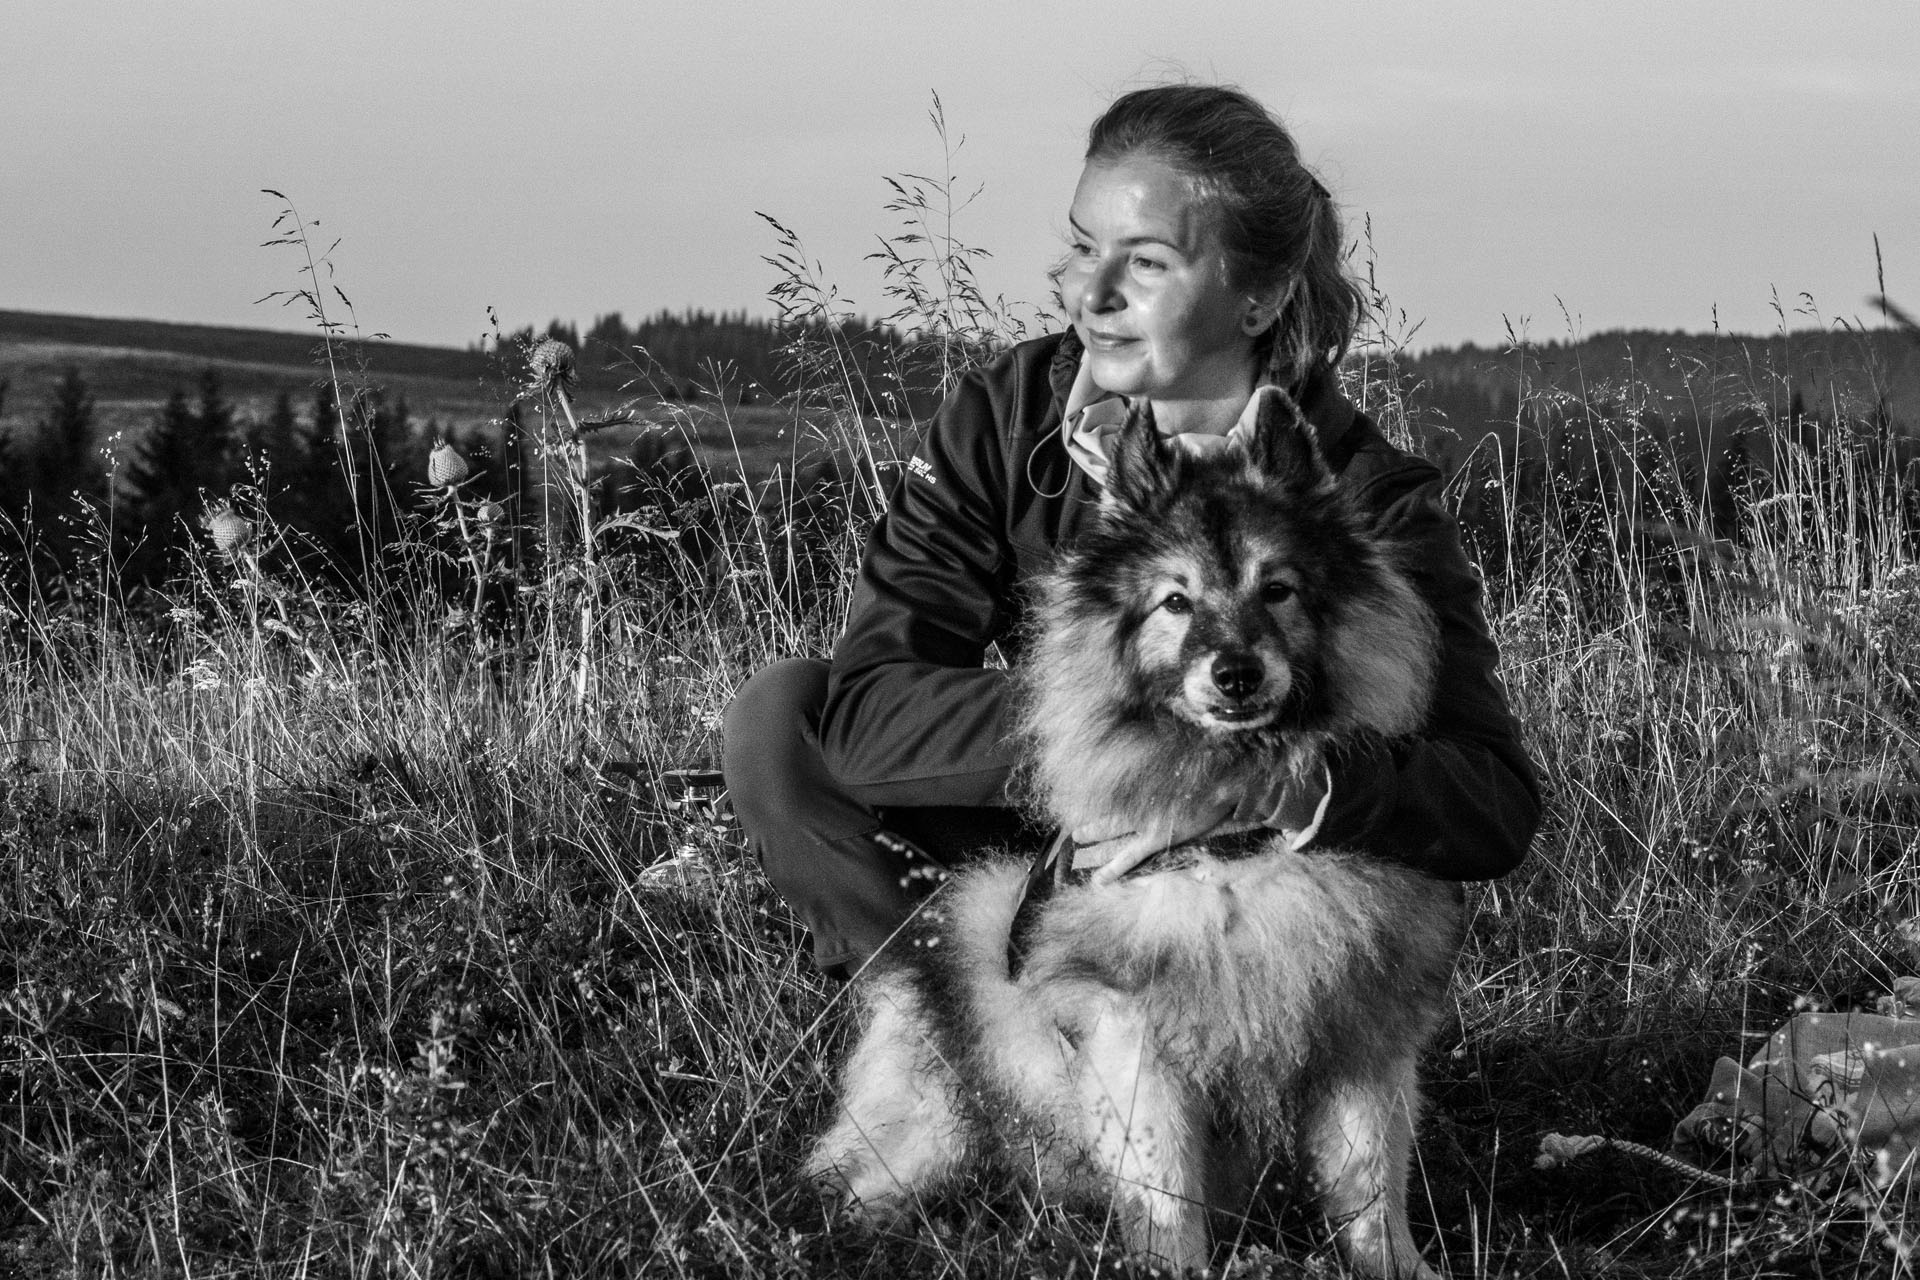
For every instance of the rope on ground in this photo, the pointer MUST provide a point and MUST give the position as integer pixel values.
(1557, 1149)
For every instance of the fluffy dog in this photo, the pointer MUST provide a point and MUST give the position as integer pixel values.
(1230, 618)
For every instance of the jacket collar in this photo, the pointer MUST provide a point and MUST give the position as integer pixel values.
(1088, 415)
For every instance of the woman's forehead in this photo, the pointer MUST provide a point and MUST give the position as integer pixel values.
(1141, 197)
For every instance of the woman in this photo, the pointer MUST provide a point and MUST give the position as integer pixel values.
(1204, 261)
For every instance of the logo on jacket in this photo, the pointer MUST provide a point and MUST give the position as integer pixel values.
(922, 468)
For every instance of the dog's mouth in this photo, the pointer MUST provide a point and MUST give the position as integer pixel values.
(1235, 717)
(1233, 691)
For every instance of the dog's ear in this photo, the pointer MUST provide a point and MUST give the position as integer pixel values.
(1285, 449)
(1139, 470)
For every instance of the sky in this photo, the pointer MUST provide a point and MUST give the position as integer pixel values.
(1553, 169)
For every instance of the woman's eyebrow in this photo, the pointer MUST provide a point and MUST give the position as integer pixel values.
(1074, 224)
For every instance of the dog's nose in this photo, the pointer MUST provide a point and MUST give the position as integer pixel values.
(1237, 675)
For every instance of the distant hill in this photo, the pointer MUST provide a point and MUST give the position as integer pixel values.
(1456, 395)
(132, 366)
(1459, 394)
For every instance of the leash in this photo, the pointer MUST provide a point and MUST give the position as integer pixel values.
(1044, 878)
(1054, 868)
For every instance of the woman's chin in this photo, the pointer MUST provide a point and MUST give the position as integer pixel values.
(1122, 375)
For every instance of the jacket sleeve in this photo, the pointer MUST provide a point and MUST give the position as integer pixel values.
(912, 716)
(1459, 800)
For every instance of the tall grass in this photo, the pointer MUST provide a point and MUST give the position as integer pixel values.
(333, 946)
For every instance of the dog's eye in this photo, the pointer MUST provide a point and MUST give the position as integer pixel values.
(1276, 593)
(1177, 604)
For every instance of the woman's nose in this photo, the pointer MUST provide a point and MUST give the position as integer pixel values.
(1102, 292)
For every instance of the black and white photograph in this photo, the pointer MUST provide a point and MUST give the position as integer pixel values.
(1241, 639)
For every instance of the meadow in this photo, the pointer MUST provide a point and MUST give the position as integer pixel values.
(368, 933)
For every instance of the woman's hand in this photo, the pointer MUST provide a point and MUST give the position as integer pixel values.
(1293, 807)
(1288, 806)
(1116, 853)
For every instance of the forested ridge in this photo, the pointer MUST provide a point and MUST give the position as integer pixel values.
(149, 420)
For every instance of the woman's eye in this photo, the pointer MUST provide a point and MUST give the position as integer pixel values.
(1141, 263)
(1276, 593)
(1177, 604)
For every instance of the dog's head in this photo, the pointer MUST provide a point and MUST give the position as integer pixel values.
(1246, 589)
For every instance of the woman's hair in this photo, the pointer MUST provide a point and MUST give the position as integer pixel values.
(1276, 222)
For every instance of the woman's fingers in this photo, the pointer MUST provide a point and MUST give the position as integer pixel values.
(1118, 856)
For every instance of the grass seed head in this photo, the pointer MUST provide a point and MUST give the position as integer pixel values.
(445, 466)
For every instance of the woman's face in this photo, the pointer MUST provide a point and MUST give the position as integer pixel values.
(1145, 286)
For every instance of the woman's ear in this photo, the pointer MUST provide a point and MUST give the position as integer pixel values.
(1265, 307)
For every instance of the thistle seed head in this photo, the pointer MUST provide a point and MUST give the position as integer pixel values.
(550, 365)
(231, 531)
(492, 513)
(445, 466)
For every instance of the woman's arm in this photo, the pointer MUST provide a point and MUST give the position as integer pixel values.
(1461, 800)
(912, 716)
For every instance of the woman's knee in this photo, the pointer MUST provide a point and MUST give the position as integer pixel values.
(777, 701)
(765, 732)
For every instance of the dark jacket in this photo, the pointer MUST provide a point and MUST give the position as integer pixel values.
(914, 718)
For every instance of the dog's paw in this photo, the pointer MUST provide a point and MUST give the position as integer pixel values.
(851, 1193)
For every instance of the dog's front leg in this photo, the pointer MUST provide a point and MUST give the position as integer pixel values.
(1147, 1136)
(897, 1132)
(1359, 1140)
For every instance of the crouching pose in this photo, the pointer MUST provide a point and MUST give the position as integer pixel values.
(1229, 618)
(1259, 696)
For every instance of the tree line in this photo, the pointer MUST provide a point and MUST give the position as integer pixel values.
(695, 354)
(336, 480)
(337, 493)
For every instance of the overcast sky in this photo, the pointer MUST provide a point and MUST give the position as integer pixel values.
(1644, 164)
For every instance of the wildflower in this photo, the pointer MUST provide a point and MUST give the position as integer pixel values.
(445, 466)
(232, 532)
(491, 513)
(550, 365)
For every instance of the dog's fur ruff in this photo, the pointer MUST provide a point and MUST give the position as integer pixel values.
(1170, 1032)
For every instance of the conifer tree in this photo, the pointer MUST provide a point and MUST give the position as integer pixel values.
(164, 470)
(273, 443)
(215, 439)
(187, 453)
(63, 463)
(16, 548)
(55, 472)
(13, 488)
(326, 422)
(387, 463)
(163, 484)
